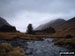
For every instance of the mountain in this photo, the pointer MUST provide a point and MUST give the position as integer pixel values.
(3, 22)
(53, 23)
(68, 28)
(61, 27)
(67, 25)
(6, 27)
(72, 20)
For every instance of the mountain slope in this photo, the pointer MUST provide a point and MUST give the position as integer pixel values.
(6, 27)
(67, 25)
(68, 28)
(3, 22)
(53, 23)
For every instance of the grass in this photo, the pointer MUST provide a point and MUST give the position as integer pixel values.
(12, 35)
(68, 43)
(5, 35)
(7, 50)
(59, 35)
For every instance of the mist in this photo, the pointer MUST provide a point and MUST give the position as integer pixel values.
(20, 13)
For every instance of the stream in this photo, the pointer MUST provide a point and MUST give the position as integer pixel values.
(37, 48)
(44, 48)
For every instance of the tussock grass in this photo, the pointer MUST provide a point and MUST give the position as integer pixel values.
(65, 42)
(7, 50)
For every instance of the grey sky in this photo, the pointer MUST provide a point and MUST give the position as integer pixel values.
(22, 12)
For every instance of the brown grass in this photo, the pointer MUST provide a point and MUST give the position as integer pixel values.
(65, 42)
(12, 35)
(7, 50)
(4, 35)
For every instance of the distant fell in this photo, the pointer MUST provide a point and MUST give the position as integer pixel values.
(52, 23)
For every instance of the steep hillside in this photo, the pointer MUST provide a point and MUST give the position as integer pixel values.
(53, 23)
(68, 25)
(65, 29)
(6, 27)
(3, 22)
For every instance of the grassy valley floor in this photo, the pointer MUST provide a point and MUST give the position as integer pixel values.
(60, 39)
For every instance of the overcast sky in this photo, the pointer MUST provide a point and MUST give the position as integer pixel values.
(20, 13)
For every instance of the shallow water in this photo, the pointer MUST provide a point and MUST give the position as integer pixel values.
(37, 48)
(44, 48)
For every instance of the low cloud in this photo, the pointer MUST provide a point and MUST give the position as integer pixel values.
(22, 12)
